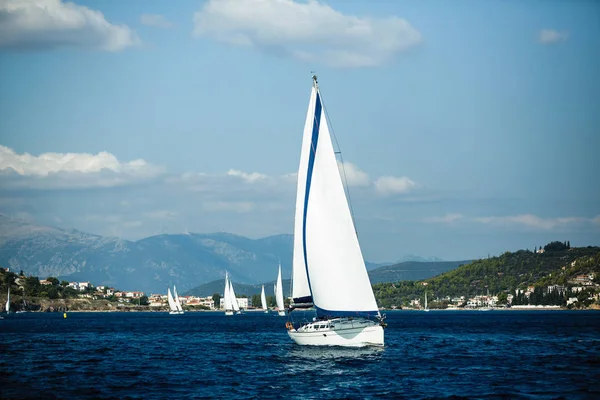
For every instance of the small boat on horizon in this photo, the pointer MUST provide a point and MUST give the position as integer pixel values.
(174, 303)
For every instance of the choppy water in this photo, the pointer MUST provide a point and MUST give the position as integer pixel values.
(443, 354)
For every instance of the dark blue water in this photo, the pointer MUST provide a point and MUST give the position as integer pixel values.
(444, 354)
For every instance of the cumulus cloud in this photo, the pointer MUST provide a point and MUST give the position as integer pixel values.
(156, 21)
(309, 31)
(388, 185)
(71, 169)
(247, 177)
(532, 221)
(50, 24)
(446, 219)
(354, 175)
(551, 36)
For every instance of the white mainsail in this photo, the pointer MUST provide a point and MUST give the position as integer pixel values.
(171, 301)
(234, 302)
(227, 295)
(279, 292)
(300, 289)
(324, 232)
(177, 303)
(263, 298)
(8, 302)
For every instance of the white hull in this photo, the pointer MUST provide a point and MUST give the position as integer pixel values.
(228, 312)
(175, 312)
(347, 333)
(281, 313)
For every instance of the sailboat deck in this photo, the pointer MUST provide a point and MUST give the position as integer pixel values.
(336, 325)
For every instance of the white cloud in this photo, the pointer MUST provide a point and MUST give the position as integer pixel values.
(446, 219)
(532, 221)
(354, 175)
(551, 36)
(155, 20)
(309, 31)
(387, 185)
(247, 177)
(50, 170)
(49, 24)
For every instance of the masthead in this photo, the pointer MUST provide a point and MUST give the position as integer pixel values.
(315, 83)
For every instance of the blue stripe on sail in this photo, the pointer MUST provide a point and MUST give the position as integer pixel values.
(321, 313)
(311, 163)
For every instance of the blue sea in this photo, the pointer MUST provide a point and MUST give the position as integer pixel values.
(435, 355)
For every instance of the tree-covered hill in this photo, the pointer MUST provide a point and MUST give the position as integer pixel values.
(504, 273)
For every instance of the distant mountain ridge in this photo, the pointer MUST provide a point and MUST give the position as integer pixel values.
(408, 270)
(151, 264)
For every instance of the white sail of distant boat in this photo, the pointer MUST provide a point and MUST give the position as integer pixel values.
(279, 294)
(426, 309)
(227, 297)
(177, 303)
(329, 271)
(234, 303)
(7, 307)
(171, 301)
(263, 299)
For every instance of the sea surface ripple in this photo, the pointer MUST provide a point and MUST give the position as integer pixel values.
(435, 355)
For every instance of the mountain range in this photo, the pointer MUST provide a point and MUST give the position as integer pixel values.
(151, 264)
(408, 270)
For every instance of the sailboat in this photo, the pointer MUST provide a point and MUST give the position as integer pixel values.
(426, 309)
(263, 300)
(329, 271)
(234, 303)
(7, 307)
(279, 295)
(177, 302)
(227, 297)
(172, 303)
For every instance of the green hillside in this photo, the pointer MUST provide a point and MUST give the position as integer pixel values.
(502, 274)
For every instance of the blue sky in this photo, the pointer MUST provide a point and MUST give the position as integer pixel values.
(470, 128)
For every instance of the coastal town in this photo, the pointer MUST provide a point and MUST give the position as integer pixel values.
(580, 289)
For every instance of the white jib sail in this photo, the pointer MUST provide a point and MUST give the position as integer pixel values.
(336, 269)
(300, 289)
(234, 302)
(177, 303)
(8, 302)
(279, 292)
(172, 305)
(263, 298)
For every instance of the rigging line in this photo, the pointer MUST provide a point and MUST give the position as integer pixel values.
(346, 186)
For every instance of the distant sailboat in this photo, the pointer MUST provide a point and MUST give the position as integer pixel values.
(234, 303)
(279, 295)
(426, 309)
(7, 307)
(227, 297)
(329, 271)
(172, 304)
(263, 300)
(177, 302)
